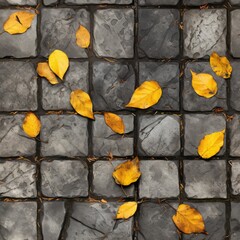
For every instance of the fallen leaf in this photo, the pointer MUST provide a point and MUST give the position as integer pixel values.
(82, 103)
(18, 22)
(114, 122)
(31, 125)
(204, 84)
(126, 210)
(59, 63)
(146, 95)
(127, 172)
(220, 65)
(44, 70)
(188, 220)
(211, 144)
(83, 37)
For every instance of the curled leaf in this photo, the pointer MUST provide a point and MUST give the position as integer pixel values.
(114, 122)
(31, 125)
(44, 70)
(82, 37)
(126, 210)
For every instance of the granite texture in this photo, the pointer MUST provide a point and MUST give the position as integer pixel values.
(50, 2)
(82, 2)
(234, 134)
(235, 2)
(235, 220)
(18, 2)
(201, 2)
(235, 86)
(235, 31)
(157, 2)
(235, 176)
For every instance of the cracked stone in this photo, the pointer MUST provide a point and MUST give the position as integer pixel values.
(50, 2)
(199, 125)
(159, 135)
(234, 136)
(58, 29)
(159, 33)
(235, 31)
(64, 135)
(235, 86)
(235, 220)
(106, 141)
(64, 178)
(18, 2)
(201, 2)
(81, 2)
(204, 32)
(235, 176)
(158, 2)
(114, 33)
(191, 100)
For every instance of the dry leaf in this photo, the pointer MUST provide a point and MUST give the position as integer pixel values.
(188, 220)
(44, 70)
(204, 84)
(146, 95)
(126, 210)
(211, 144)
(31, 125)
(18, 22)
(59, 63)
(220, 65)
(83, 37)
(82, 103)
(114, 122)
(127, 172)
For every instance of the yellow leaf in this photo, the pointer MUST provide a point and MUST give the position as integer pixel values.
(220, 65)
(44, 70)
(126, 210)
(146, 95)
(31, 125)
(114, 122)
(211, 144)
(59, 63)
(83, 37)
(127, 172)
(204, 84)
(18, 22)
(82, 103)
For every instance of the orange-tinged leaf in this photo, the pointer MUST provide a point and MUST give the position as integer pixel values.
(31, 125)
(82, 37)
(126, 210)
(114, 122)
(146, 95)
(211, 144)
(82, 103)
(44, 70)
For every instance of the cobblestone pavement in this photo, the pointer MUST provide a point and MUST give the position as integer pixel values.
(46, 186)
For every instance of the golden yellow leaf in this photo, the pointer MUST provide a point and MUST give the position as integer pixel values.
(44, 70)
(204, 84)
(188, 220)
(114, 122)
(18, 22)
(220, 65)
(146, 95)
(31, 125)
(59, 63)
(82, 103)
(126, 210)
(211, 144)
(127, 172)
(83, 37)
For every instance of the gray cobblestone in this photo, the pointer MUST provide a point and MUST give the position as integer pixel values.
(234, 133)
(235, 2)
(158, 2)
(235, 31)
(81, 2)
(18, 2)
(50, 2)
(235, 176)
(235, 86)
(235, 221)
(201, 2)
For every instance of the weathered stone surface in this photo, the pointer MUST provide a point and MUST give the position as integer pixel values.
(106, 141)
(235, 220)
(58, 29)
(95, 221)
(235, 31)
(204, 32)
(18, 220)
(103, 182)
(18, 2)
(50, 2)
(199, 125)
(201, 2)
(235, 86)
(159, 135)
(114, 33)
(167, 75)
(159, 179)
(235, 177)
(234, 136)
(98, 1)
(191, 100)
(64, 178)
(158, 33)
(56, 97)
(235, 2)
(158, 2)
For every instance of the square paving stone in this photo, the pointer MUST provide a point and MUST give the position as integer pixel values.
(167, 75)
(158, 2)
(81, 2)
(201, 2)
(17, 45)
(97, 221)
(159, 135)
(58, 29)
(18, 220)
(13, 141)
(191, 100)
(159, 179)
(64, 178)
(113, 85)
(204, 32)
(114, 33)
(57, 97)
(103, 183)
(106, 141)
(235, 31)
(197, 126)
(235, 220)
(50, 2)
(18, 2)
(234, 136)
(158, 33)
(64, 135)
(235, 86)
(235, 177)
(205, 179)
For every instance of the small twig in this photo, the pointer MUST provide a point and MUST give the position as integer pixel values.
(124, 191)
